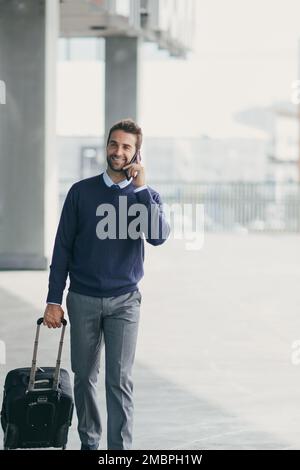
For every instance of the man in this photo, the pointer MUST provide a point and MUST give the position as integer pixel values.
(105, 267)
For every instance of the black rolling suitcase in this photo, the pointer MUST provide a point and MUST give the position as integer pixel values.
(37, 404)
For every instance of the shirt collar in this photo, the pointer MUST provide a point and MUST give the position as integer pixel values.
(109, 182)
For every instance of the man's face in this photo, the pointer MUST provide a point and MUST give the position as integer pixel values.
(120, 149)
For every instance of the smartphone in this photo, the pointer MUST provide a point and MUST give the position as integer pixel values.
(136, 158)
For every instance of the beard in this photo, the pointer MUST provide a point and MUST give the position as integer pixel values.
(114, 165)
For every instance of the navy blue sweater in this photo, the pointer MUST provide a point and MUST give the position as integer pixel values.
(100, 267)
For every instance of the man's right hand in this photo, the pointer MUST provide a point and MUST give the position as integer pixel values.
(53, 316)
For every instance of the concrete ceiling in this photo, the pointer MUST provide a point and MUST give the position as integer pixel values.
(89, 18)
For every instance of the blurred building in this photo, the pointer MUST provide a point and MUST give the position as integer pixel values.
(29, 30)
(169, 23)
(206, 160)
(280, 123)
(173, 160)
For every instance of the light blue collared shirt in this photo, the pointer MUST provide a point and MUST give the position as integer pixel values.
(109, 182)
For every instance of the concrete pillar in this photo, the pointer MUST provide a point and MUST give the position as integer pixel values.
(121, 79)
(28, 179)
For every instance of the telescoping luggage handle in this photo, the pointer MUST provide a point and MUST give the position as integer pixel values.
(58, 360)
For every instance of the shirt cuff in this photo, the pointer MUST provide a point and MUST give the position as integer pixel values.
(52, 303)
(140, 188)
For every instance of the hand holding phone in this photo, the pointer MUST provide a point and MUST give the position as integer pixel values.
(136, 158)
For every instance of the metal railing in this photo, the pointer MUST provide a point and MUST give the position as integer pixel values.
(240, 206)
(236, 206)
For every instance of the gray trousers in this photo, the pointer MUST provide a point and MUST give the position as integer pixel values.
(114, 320)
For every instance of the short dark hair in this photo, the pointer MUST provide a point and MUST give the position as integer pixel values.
(128, 125)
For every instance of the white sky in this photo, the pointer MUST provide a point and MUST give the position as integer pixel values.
(245, 55)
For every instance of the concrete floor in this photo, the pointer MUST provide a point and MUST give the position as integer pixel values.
(213, 363)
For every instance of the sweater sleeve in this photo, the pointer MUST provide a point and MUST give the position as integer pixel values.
(158, 226)
(63, 246)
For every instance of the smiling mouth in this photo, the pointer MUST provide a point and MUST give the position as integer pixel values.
(116, 159)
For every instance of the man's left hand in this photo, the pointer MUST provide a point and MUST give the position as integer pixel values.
(137, 172)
